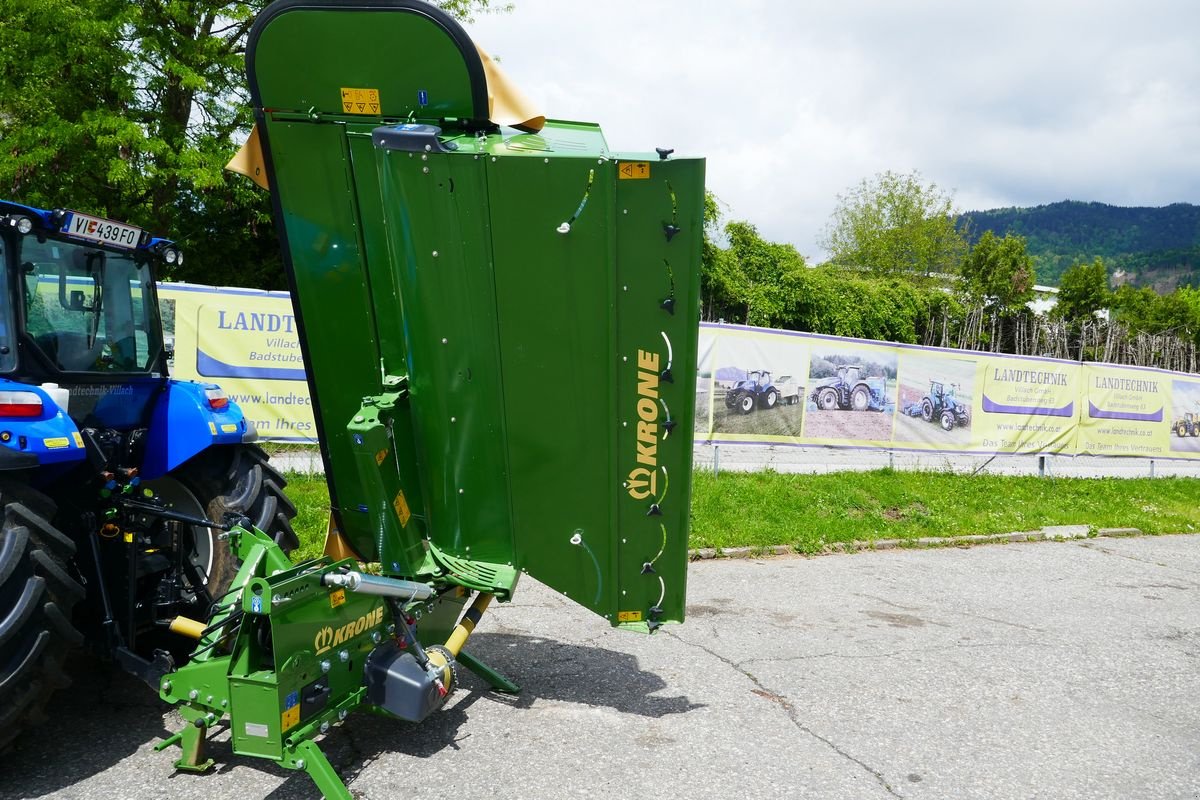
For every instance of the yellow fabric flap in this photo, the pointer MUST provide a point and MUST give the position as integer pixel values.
(508, 105)
(249, 161)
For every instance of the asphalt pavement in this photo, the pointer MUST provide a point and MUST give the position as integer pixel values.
(1034, 670)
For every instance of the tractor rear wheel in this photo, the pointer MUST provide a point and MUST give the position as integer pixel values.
(860, 399)
(222, 481)
(37, 594)
(828, 399)
(927, 410)
(745, 402)
(771, 398)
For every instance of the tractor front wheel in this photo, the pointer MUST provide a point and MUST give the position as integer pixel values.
(222, 481)
(947, 421)
(745, 402)
(37, 593)
(828, 399)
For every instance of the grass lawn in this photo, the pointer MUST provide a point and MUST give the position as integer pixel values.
(810, 512)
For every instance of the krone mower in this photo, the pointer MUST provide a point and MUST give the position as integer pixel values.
(499, 318)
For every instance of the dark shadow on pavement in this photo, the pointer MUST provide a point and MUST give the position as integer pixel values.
(106, 716)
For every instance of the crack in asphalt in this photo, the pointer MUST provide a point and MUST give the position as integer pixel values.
(952, 611)
(892, 653)
(762, 691)
(1096, 548)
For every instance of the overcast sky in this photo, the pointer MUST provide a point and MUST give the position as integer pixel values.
(1014, 103)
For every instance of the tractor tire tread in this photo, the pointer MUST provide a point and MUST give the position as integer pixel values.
(38, 592)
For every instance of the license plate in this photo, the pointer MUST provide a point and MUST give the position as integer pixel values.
(102, 231)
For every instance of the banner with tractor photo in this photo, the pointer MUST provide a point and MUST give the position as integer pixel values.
(756, 385)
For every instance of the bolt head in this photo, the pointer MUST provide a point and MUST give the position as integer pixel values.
(166, 687)
(344, 656)
(325, 727)
(193, 694)
(326, 666)
(343, 713)
(376, 637)
(300, 763)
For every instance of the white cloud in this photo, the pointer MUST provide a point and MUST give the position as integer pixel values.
(1018, 103)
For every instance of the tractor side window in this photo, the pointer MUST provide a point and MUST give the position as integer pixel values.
(8, 353)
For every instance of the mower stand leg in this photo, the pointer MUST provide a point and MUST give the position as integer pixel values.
(494, 678)
(308, 757)
(192, 740)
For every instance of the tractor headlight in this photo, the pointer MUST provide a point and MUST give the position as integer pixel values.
(170, 255)
(23, 224)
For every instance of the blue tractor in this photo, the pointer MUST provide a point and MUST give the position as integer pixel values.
(755, 390)
(942, 406)
(848, 391)
(115, 481)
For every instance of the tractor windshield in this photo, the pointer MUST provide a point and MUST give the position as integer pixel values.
(89, 309)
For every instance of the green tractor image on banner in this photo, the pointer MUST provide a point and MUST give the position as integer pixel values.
(447, 256)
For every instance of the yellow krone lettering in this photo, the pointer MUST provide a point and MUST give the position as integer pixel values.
(643, 479)
(328, 638)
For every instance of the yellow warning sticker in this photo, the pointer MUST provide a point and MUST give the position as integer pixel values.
(337, 598)
(629, 616)
(380, 456)
(57, 443)
(127, 537)
(634, 170)
(290, 718)
(401, 506)
(78, 438)
(212, 427)
(229, 428)
(360, 101)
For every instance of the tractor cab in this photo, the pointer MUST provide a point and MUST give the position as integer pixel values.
(758, 379)
(81, 311)
(81, 351)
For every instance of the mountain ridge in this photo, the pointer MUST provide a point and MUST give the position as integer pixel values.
(1157, 246)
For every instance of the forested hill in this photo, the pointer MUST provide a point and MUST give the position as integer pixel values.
(1158, 247)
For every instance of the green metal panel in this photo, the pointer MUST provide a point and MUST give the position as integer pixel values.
(554, 295)
(311, 168)
(305, 54)
(520, 311)
(657, 311)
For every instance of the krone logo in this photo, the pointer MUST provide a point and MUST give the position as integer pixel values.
(642, 480)
(642, 483)
(327, 637)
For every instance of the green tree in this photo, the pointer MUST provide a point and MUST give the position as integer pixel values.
(764, 276)
(1083, 291)
(895, 224)
(999, 272)
(131, 109)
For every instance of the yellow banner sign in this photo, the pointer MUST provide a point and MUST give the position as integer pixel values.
(244, 341)
(782, 387)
